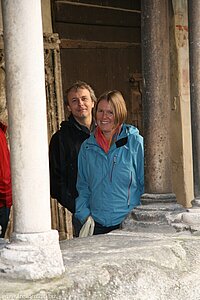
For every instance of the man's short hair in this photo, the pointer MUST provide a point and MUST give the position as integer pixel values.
(79, 85)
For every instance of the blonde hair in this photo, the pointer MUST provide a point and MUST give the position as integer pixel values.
(118, 104)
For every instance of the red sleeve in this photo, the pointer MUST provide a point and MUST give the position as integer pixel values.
(5, 176)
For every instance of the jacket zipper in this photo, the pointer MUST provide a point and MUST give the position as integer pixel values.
(114, 162)
(129, 190)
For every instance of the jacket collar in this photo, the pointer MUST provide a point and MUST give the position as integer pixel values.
(72, 121)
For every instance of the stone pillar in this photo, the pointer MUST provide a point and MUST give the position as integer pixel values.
(34, 249)
(156, 97)
(158, 201)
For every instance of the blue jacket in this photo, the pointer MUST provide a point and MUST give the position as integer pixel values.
(110, 184)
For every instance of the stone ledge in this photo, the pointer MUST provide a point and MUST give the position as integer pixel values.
(120, 265)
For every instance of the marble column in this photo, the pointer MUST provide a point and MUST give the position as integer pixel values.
(159, 201)
(34, 250)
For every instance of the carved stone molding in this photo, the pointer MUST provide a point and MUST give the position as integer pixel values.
(61, 218)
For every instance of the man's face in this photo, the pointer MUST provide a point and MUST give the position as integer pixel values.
(80, 104)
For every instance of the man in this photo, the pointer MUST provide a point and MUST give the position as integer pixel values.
(5, 182)
(65, 145)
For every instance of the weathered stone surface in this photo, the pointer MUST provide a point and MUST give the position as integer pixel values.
(120, 265)
(163, 217)
(32, 256)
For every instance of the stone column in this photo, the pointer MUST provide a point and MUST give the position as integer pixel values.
(156, 97)
(34, 249)
(158, 201)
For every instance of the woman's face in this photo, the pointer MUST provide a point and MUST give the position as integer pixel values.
(105, 117)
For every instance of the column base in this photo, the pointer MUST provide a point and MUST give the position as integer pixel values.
(32, 256)
(196, 202)
(192, 216)
(157, 213)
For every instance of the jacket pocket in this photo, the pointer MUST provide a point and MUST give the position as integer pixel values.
(129, 188)
(113, 165)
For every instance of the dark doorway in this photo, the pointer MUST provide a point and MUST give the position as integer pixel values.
(100, 44)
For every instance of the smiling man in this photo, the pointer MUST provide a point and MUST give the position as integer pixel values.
(65, 145)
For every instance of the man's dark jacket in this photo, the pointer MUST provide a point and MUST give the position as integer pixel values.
(63, 161)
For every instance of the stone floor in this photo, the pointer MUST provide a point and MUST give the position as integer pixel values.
(120, 265)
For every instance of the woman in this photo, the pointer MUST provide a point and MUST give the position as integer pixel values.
(111, 167)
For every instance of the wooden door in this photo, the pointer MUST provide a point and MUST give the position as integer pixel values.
(100, 44)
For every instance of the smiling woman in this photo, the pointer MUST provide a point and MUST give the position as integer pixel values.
(110, 113)
(110, 167)
(105, 118)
